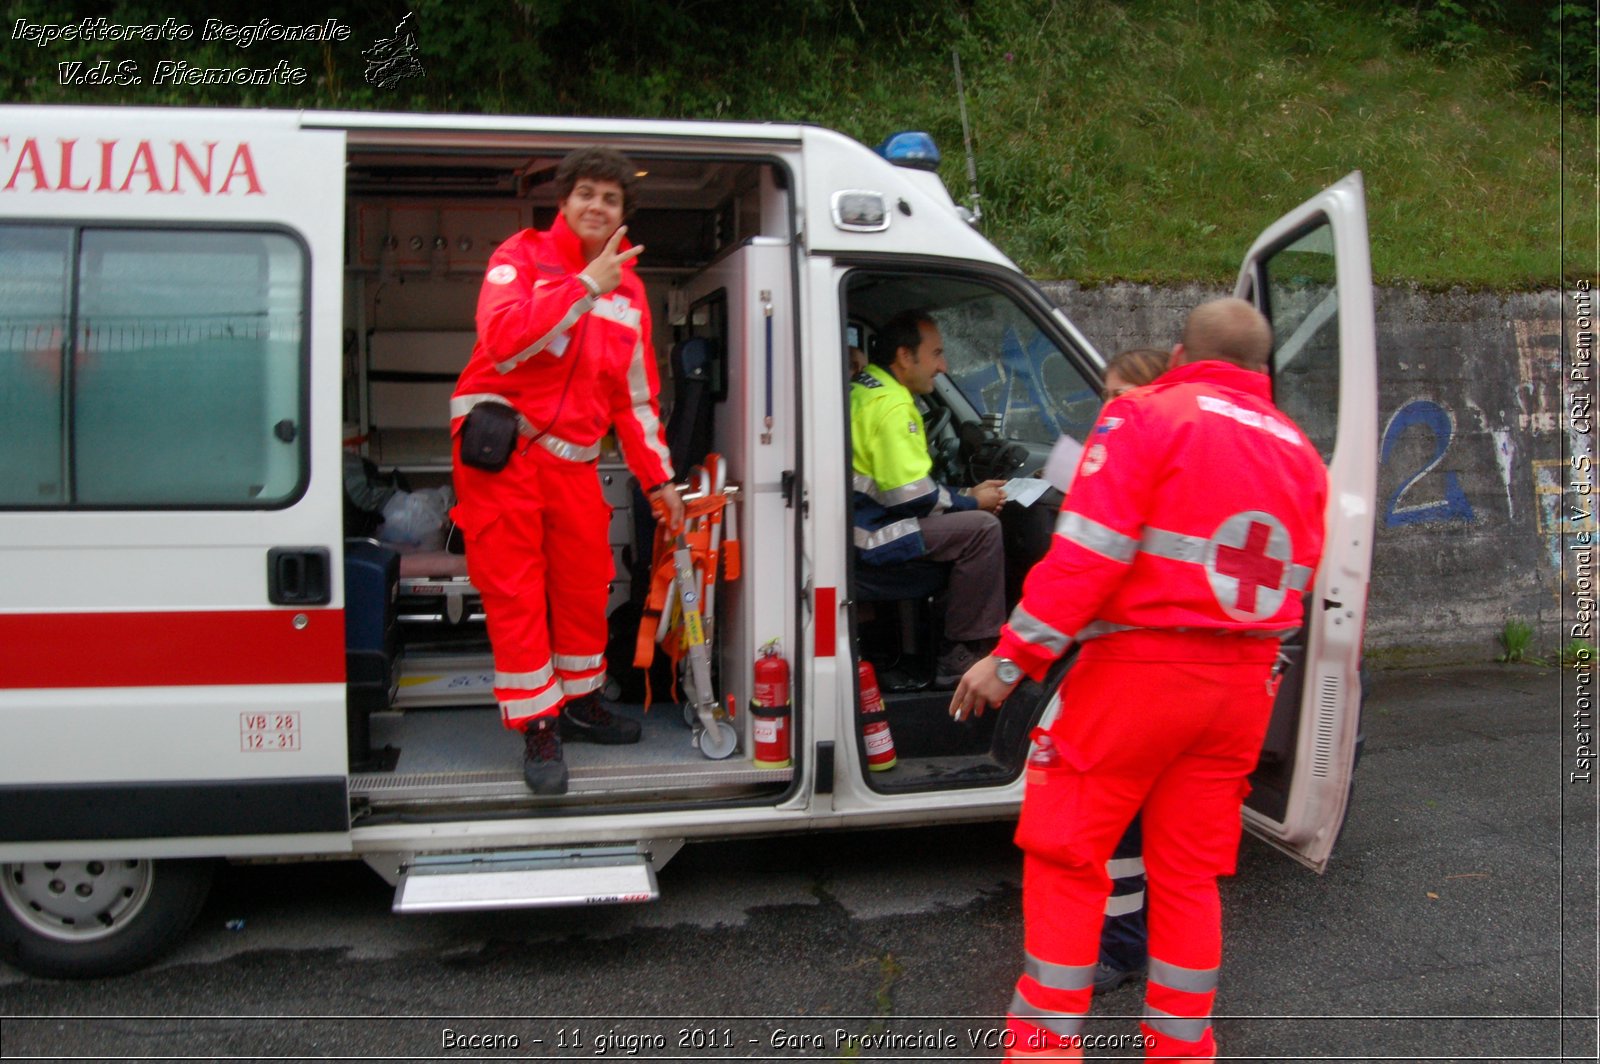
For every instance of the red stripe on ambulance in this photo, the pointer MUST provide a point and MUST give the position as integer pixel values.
(171, 649)
(827, 614)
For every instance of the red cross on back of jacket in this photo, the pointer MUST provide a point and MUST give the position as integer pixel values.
(1197, 505)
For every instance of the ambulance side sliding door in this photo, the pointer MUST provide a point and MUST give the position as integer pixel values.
(172, 625)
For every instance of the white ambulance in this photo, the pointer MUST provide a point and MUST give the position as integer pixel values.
(207, 317)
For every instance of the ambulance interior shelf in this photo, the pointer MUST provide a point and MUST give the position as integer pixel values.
(405, 385)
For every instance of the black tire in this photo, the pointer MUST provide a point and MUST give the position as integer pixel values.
(87, 919)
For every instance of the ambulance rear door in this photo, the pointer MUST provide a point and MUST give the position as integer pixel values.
(171, 631)
(1310, 273)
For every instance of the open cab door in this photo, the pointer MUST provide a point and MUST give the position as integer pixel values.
(1310, 272)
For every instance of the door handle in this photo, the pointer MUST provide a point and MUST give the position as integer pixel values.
(299, 576)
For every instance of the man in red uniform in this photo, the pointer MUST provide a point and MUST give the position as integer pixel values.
(1193, 528)
(563, 354)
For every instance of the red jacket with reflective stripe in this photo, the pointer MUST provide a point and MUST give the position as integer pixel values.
(573, 366)
(1196, 505)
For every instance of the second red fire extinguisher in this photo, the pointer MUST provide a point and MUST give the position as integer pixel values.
(875, 722)
(769, 709)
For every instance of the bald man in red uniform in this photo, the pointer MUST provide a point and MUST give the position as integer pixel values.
(1193, 528)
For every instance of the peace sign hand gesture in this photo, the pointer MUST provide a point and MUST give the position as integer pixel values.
(605, 269)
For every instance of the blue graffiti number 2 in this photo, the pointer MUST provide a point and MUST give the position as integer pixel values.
(1441, 426)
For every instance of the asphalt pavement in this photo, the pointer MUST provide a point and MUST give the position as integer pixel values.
(1456, 922)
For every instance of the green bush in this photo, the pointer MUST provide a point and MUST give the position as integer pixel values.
(1553, 46)
(1515, 638)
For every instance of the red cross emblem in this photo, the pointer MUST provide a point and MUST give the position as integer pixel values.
(1250, 566)
(1248, 561)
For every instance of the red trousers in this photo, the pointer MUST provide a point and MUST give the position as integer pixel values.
(539, 553)
(1171, 723)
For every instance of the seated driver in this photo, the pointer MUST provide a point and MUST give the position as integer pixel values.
(902, 513)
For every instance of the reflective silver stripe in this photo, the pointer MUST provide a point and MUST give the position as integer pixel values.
(1189, 980)
(1065, 1024)
(617, 309)
(864, 484)
(904, 493)
(461, 406)
(524, 681)
(1117, 867)
(1183, 1028)
(1123, 904)
(572, 452)
(643, 411)
(1094, 536)
(1058, 976)
(943, 502)
(1095, 629)
(515, 708)
(1031, 629)
(1179, 547)
(865, 540)
(574, 663)
(578, 310)
(584, 686)
(1174, 545)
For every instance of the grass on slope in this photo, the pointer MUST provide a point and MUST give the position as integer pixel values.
(1117, 139)
(1152, 140)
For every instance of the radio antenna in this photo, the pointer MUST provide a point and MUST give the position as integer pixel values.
(974, 209)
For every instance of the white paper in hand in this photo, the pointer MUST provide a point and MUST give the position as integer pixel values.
(1062, 463)
(1025, 491)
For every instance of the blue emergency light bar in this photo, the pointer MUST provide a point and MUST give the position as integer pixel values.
(911, 148)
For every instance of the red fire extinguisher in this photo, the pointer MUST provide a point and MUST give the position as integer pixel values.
(769, 709)
(875, 722)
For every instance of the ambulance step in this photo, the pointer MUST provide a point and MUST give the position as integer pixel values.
(525, 880)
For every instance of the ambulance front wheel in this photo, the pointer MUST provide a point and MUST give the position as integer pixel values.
(87, 919)
(719, 741)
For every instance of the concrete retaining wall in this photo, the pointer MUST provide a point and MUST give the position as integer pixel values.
(1472, 419)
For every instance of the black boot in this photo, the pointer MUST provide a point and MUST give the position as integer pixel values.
(585, 718)
(542, 765)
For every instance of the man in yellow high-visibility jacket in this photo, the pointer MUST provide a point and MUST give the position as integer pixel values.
(902, 513)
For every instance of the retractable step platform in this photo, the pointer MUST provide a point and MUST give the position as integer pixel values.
(525, 879)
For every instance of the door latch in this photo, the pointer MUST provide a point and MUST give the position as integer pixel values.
(299, 576)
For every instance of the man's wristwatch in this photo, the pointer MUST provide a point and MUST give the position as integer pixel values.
(1007, 670)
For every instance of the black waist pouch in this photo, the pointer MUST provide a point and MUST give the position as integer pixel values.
(488, 436)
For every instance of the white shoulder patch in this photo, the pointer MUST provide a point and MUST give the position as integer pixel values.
(504, 273)
(1094, 460)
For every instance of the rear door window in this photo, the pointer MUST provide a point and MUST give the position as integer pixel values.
(153, 368)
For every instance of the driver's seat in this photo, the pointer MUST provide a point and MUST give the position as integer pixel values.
(906, 661)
